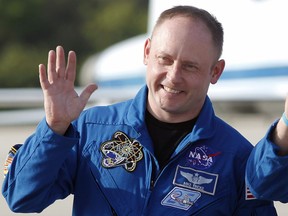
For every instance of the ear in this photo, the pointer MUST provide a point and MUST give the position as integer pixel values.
(146, 50)
(217, 71)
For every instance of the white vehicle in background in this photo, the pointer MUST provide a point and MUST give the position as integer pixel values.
(255, 50)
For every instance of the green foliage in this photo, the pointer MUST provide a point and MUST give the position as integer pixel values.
(114, 22)
(19, 66)
(30, 28)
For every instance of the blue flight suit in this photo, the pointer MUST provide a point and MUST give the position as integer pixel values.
(267, 172)
(106, 161)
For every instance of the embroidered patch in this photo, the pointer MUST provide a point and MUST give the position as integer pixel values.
(10, 157)
(195, 179)
(181, 198)
(201, 157)
(121, 151)
(248, 194)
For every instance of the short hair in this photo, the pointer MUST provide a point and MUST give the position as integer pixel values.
(208, 19)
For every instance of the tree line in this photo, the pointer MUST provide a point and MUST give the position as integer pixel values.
(30, 28)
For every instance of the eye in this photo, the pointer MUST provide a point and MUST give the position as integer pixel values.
(189, 67)
(164, 60)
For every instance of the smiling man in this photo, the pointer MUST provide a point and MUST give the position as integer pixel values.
(162, 153)
(182, 61)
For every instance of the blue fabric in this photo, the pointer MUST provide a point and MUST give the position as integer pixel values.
(267, 172)
(106, 160)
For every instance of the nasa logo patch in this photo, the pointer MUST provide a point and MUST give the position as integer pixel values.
(201, 157)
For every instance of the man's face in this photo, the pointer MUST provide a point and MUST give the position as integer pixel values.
(181, 63)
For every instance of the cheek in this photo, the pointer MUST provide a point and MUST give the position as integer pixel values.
(198, 83)
(153, 73)
(149, 75)
(151, 79)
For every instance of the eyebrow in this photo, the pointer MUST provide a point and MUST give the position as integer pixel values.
(189, 62)
(182, 61)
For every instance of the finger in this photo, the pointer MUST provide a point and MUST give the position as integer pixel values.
(71, 66)
(51, 66)
(87, 92)
(44, 83)
(60, 61)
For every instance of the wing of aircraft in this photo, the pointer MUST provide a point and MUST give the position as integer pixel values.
(254, 50)
(25, 105)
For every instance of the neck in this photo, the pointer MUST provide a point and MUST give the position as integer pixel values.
(171, 117)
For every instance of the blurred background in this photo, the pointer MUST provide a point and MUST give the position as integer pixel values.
(30, 28)
(98, 31)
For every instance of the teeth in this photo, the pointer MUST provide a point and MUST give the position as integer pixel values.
(171, 90)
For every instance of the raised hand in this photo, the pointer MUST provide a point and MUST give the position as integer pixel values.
(62, 104)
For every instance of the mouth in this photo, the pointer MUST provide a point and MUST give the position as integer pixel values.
(170, 90)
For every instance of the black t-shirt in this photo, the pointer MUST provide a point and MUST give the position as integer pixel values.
(166, 136)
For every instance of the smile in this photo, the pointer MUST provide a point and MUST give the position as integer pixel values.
(170, 90)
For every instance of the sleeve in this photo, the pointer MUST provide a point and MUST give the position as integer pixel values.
(266, 172)
(42, 170)
(265, 210)
(251, 206)
(248, 204)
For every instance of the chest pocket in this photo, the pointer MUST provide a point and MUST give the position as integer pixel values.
(121, 180)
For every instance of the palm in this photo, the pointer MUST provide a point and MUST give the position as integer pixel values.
(61, 102)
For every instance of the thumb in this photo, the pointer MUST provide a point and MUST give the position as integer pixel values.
(87, 92)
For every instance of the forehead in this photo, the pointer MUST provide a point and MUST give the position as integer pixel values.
(184, 34)
(183, 25)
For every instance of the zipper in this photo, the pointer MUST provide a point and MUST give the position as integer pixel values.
(153, 180)
(113, 211)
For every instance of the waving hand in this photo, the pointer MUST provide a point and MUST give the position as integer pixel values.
(62, 104)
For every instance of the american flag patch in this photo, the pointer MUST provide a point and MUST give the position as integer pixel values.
(10, 157)
(249, 195)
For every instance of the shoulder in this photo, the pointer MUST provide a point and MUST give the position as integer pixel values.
(109, 113)
(233, 139)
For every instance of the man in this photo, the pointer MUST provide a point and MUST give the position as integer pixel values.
(162, 153)
(267, 168)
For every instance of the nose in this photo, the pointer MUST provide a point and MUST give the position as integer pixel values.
(174, 73)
